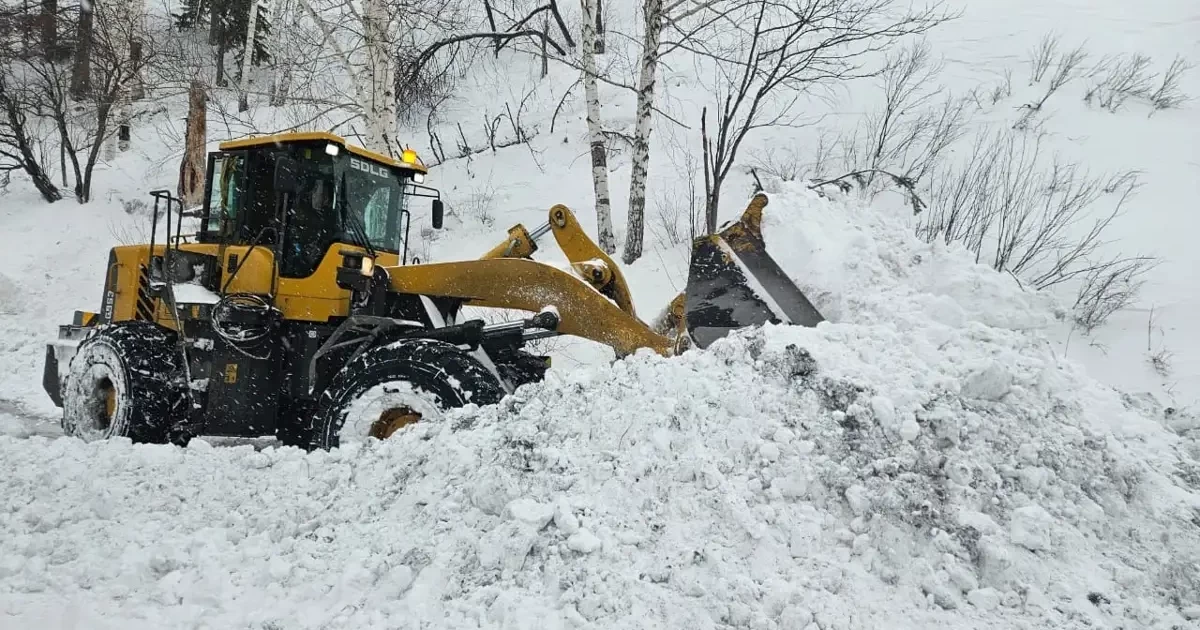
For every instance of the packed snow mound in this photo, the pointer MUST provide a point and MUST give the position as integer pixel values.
(923, 460)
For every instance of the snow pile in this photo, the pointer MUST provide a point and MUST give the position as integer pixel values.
(54, 260)
(922, 461)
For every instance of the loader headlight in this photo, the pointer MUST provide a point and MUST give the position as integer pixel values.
(368, 266)
(331, 149)
(419, 178)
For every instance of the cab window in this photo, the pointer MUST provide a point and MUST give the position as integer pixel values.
(225, 194)
(373, 195)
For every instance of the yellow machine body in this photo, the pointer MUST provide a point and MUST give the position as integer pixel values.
(267, 305)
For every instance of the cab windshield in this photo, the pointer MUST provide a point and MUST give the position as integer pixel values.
(374, 200)
(338, 198)
(354, 197)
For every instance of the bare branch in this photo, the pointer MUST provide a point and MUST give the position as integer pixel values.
(432, 49)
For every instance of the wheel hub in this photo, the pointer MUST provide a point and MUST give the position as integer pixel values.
(392, 420)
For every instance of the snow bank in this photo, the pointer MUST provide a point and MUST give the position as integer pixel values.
(924, 460)
(53, 259)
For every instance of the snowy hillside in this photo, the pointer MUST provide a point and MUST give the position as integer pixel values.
(932, 464)
(1162, 146)
(948, 451)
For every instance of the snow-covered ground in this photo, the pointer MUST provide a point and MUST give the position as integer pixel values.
(932, 462)
(1163, 146)
(945, 453)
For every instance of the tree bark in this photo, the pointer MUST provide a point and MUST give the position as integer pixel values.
(215, 18)
(81, 72)
(605, 237)
(222, 81)
(247, 56)
(545, 57)
(491, 18)
(598, 12)
(49, 28)
(712, 190)
(192, 168)
(83, 191)
(137, 89)
(636, 221)
(381, 66)
(283, 86)
(281, 82)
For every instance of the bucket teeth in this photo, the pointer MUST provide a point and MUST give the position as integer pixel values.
(734, 283)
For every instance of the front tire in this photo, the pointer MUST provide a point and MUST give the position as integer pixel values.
(124, 382)
(396, 384)
(523, 369)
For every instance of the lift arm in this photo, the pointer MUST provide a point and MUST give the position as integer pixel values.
(518, 283)
(586, 258)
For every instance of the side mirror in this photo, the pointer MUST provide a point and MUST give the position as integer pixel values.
(439, 212)
(287, 176)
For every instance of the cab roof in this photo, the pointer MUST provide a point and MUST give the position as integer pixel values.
(310, 136)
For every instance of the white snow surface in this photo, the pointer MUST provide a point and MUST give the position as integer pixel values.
(189, 293)
(923, 460)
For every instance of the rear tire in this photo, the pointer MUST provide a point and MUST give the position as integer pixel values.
(124, 382)
(396, 382)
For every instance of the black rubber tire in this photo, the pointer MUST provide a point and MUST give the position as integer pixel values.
(522, 369)
(140, 361)
(450, 376)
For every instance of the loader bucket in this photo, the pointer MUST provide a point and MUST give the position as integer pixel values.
(734, 283)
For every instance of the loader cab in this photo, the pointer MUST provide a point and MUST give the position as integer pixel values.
(299, 194)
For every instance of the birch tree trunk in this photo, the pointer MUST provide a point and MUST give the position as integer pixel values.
(247, 57)
(381, 66)
(128, 30)
(636, 221)
(598, 12)
(604, 228)
(281, 84)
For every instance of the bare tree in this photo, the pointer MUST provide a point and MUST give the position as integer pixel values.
(652, 19)
(81, 71)
(192, 167)
(25, 139)
(89, 128)
(798, 47)
(396, 50)
(656, 15)
(1041, 220)
(1109, 286)
(282, 59)
(901, 143)
(19, 146)
(1168, 94)
(363, 44)
(1065, 66)
(248, 56)
(46, 104)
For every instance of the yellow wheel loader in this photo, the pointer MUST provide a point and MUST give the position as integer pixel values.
(294, 309)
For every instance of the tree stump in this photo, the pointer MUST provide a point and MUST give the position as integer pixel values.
(193, 167)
